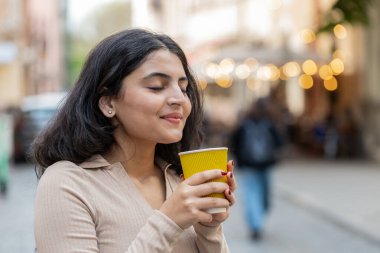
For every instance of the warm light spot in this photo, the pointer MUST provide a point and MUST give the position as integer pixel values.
(340, 31)
(331, 84)
(291, 69)
(212, 70)
(282, 74)
(307, 36)
(263, 73)
(227, 65)
(202, 83)
(337, 66)
(242, 71)
(224, 81)
(252, 63)
(325, 72)
(274, 72)
(309, 67)
(305, 81)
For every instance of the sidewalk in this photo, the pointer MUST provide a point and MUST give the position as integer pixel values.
(346, 193)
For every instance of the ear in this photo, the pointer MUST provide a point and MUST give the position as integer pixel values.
(106, 106)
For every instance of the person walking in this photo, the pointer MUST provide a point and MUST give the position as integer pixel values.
(108, 166)
(255, 144)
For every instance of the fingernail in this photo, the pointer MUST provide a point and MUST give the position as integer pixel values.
(231, 175)
(229, 192)
(232, 162)
(224, 173)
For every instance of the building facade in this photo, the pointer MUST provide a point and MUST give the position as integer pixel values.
(31, 48)
(243, 50)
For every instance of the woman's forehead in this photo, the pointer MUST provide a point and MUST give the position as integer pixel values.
(161, 61)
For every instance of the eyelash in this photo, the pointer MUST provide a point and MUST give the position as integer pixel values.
(156, 88)
(185, 91)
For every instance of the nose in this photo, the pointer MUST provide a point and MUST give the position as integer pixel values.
(176, 96)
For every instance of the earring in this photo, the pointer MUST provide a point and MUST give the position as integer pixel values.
(110, 112)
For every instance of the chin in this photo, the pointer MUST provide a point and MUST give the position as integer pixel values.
(172, 139)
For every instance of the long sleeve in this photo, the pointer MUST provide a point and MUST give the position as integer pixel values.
(211, 239)
(64, 221)
(65, 224)
(71, 216)
(96, 208)
(157, 236)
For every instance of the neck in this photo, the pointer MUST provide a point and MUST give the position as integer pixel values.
(137, 160)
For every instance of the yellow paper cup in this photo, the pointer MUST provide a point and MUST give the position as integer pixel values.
(199, 160)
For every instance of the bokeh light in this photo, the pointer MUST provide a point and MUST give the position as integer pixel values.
(331, 84)
(309, 67)
(325, 72)
(340, 31)
(305, 81)
(337, 66)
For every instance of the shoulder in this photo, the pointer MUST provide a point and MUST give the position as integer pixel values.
(62, 169)
(61, 176)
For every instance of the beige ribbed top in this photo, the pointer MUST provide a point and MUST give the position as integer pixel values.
(95, 207)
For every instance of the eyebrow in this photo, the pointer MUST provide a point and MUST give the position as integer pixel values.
(164, 76)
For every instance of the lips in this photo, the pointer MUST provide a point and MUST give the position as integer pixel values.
(172, 117)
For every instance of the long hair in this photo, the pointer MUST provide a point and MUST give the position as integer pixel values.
(80, 130)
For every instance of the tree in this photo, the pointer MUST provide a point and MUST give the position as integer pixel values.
(100, 23)
(346, 11)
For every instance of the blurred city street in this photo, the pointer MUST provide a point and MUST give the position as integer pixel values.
(319, 206)
(314, 63)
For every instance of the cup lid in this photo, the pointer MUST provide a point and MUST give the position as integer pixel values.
(202, 150)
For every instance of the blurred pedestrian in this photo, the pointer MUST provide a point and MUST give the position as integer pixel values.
(255, 144)
(108, 163)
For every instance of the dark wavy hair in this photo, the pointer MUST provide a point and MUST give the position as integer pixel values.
(80, 130)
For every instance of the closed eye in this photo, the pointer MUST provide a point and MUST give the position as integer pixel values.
(156, 88)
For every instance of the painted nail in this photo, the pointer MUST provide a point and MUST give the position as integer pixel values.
(229, 192)
(233, 162)
(231, 175)
(224, 173)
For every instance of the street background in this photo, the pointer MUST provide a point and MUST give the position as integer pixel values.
(316, 61)
(319, 206)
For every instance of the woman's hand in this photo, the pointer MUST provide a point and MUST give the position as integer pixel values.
(187, 205)
(218, 218)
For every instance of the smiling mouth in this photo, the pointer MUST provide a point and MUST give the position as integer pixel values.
(172, 118)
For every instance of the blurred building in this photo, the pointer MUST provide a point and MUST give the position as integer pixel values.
(11, 40)
(245, 49)
(241, 50)
(370, 96)
(31, 48)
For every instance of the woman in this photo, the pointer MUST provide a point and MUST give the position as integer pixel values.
(108, 163)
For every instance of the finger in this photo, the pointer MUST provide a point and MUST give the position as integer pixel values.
(230, 166)
(231, 181)
(210, 202)
(230, 197)
(204, 216)
(208, 188)
(205, 176)
(220, 217)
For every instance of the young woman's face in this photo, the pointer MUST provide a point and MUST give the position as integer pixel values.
(153, 104)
